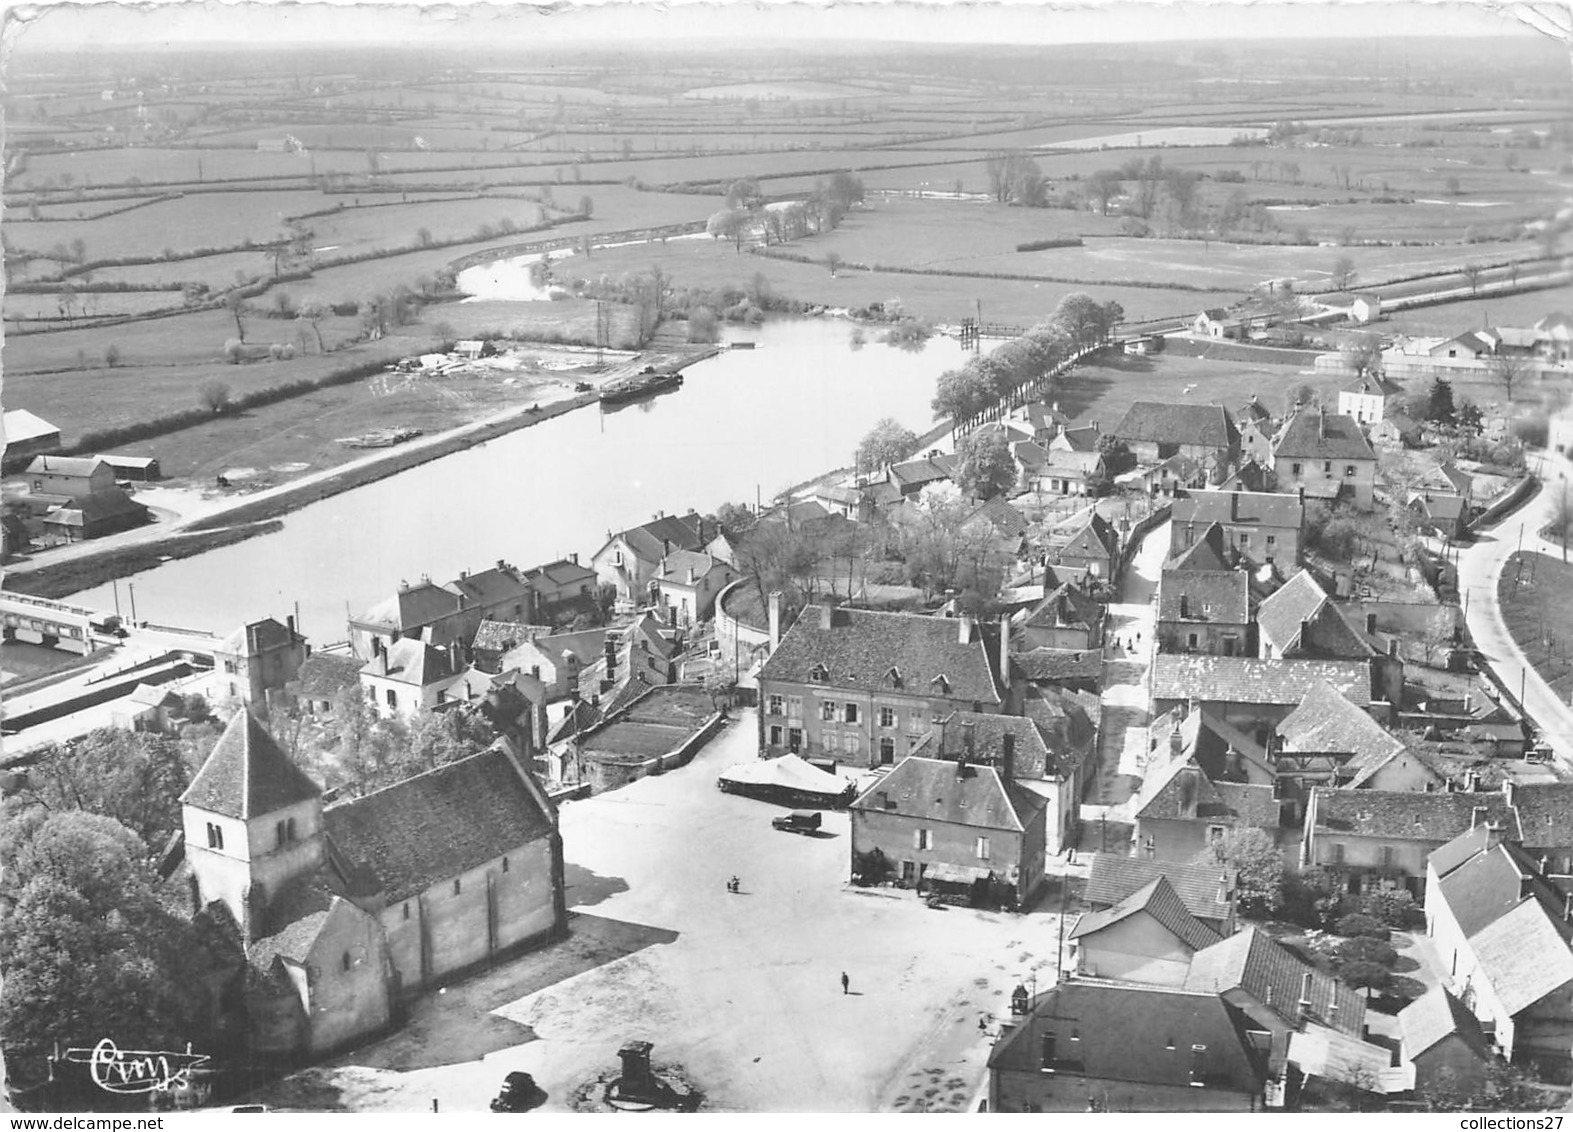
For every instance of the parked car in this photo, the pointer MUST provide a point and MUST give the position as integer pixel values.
(518, 1093)
(798, 821)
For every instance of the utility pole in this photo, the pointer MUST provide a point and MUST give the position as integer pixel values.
(132, 589)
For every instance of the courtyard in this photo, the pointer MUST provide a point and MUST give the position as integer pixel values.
(742, 992)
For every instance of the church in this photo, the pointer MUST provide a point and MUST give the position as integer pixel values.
(348, 910)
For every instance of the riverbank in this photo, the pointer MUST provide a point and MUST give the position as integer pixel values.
(61, 579)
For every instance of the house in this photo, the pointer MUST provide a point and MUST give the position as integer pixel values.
(1004, 527)
(1168, 477)
(1443, 1041)
(1066, 619)
(348, 909)
(150, 707)
(1204, 611)
(1501, 929)
(1093, 548)
(258, 661)
(1328, 740)
(1083, 439)
(1368, 397)
(629, 559)
(424, 609)
(1112, 1047)
(555, 583)
(1263, 527)
(1256, 444)
(951, 824)
(322, 679)
(1181, 812)
(1470, 344)
(1206, 890)
(1253, 412)
(1299, 620)
(1364, 307)
(1217, 322)
(93, 516)
(1380, 839)
(26, 435)
(409, 676)
(1327, 456)
(912, 476)
(1224, 752)
(74, 477)
(1057, 471)
(1077, 670)
(1252, 694)
(1397, 430)
(1148, 937)
(1554, 339)
(687, 582)
(499, 590)
(1154, 431)
(1440, 513)
(1046, 419)
(1545, 824)
(865, 687)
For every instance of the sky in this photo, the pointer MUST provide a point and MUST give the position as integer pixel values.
(161, 23)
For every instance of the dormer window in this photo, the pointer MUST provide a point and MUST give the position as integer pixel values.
(819, 674)
(894, 676)
(942, 684)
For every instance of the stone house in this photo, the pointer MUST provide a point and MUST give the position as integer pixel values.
(1263, 527)
(1149, 937)
(322, 679)
(1251, 694)
(1181, 812)
(629, 560)
(1154, 431)
(1327, 456)
(1217, 322)
(1094, 548)
(555, 583)
(865, 687)
(1368, 397)
(1206, 890)
(1066, 619)
(1205, 611)
(1443, 1043)
(688, 582)
(258, 660)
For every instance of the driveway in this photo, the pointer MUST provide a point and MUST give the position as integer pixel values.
(742, 991)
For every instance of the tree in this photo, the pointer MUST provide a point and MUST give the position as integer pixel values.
(314, 312)
(1470, 419)
(844, 188)
(1103, 186)
(1303, 394)
(1085, 322)
(1362, 355)
(728, 224)
(235, 303)
(1258, 867)
(888, 442)
(1343, 273)
(213, 395)
(1472, 273)
(423, 237)
(79, 250)
(134, 777)
(984, 466)
(112, 355)
(703, 325)
(832, 261)
(961, 394)
(735, 519)
(1509, 369)
(586, 206)
(1439, 405)
(744, 193)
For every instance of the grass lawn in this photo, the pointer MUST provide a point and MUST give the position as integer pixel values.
(1105, 389)
(1448, 319)
(570, 319)
(1533, 592)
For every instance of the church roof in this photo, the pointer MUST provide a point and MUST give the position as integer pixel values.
(247, 774)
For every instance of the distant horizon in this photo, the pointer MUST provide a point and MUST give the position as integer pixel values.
(103, 27)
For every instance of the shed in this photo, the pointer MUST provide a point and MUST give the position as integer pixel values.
(143, 468)
(28, 435)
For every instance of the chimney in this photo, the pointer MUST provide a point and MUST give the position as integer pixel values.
(690, 575)
(1370, 622)
(1477, 815)
(1234, 506)
(1321, 422)
(666, 548)
(1303, 1010)
(1508, 790)
(502, 564)
(1176, 741)
(1008, 756)
(610, 651)
(965, 628)
(775, 619)
(574, 558)
(1097, 428)
(1392, 651)
(827, 613)
(1004, 657)
(969, 739)
(289, 621)
(1567, 908)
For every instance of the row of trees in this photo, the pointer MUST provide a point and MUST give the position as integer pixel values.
(1077, 322)
(821, 211)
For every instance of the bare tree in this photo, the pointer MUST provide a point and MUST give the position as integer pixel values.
(1343, 272)
(1472, 273)
(1509, 369)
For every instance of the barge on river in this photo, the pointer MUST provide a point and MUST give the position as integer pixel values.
(645, 384)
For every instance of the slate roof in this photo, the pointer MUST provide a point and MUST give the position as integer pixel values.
(1208, 426)
(933, 790)
(1367, 385)
(1095, 539)
(255, 638)
(1219, 597)
(1432, 1017)
(1159, 900)
(1399, 815)
(1254, 962)
(1248, 680)
(439, 824)
(495, 586)
(1206, 553)
(1034, 757)
(1067, 606)
(1043, 665)
(645, 540)
(861, 648)
(413, 606)
(1321, 435)
(1113, 878)
(1143, 1034)
(1545, 813)
(1327, 723)
(1002, 516)
(411, 660)
(1240, 509)
(1523, 955)
(323, 676)
(64, 465)
(247, 774)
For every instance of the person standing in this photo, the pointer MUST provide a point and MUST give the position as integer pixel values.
(846, 983)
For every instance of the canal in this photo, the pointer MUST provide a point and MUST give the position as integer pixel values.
(745, 423)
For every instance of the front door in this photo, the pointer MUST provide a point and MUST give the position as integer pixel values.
(909, 872)
(794, 739)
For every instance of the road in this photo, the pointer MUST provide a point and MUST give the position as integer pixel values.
(1479, 566)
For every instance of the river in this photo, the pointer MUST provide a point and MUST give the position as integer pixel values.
(744, 422)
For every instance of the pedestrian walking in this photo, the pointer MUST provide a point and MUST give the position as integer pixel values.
(846, 983)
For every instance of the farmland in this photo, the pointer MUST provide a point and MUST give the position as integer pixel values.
(344, 182)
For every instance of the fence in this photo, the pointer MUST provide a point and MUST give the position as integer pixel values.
(1154, 519)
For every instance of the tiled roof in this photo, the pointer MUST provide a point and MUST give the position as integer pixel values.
(916, 473)
(1034, 757)
(1206, 553)
(1046, 416)
(252, 639)
(496, 586)
(1248, 680)
(323, 676)
(581, 717)
(500, 636)
(1400, 815)
(151, 695)
(1096, 539)
(1249, 476)
(1263, 968)
(1143, 1034)
(1203, 889)
(1463, 848)
(1159, 900)
(1523, 955)
(936, 790)
(646, 540)
(1545, 813)
(1432, 1017)
(1059, 664)
(247, 774)
(1483, 889)
(411, 660)
(1205, 425)
(1327, 723)
(1297, 600)
(439, 824)
(1219, 597)
(875, 652)
(1240, 509)
(1321, 435)
(1004, 518)
(1367, 385)
(64, 465)
(1084, 439)
(109, 503)
(1181, 791)
(1029, 453)
(412, 607)
(1253, 410)
(563, 572)
(1066, 606)
(679, 562)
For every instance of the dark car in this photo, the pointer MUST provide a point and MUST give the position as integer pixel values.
(798, 821)
(518, 1093)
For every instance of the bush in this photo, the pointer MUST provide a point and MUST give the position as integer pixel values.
(1394, 909)
(213, 395)
(1360, 924)
(703, 326)
(1364, 949)
(1044, 245)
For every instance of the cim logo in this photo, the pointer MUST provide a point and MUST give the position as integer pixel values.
(131, 1071)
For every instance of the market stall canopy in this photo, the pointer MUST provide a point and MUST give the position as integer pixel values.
(788, 774)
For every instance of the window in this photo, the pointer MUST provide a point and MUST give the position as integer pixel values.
(229, 667)
(794, 707)
(1272, 540)
(1192, 641)
(983, 848)
(215, 837)
(852, 713)
(794, 739)
(1297, 469)
(505, 864)
(406, 909)
(918, 722)
(819, 674)
(38, 485)
(1327, 466)
(1046, 1051)
(442, 697)
(458, 886)
(887, 751)
(922, 839)
(1215, 834)
(775, 734)
(827, 710)
(1337, 849)
(854, 744)
(393, 698)
(1243, 538)
(371, 694)
(831, 740)
(887, 717)
(775, 705)
(1389, 857)
(1349, 470)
